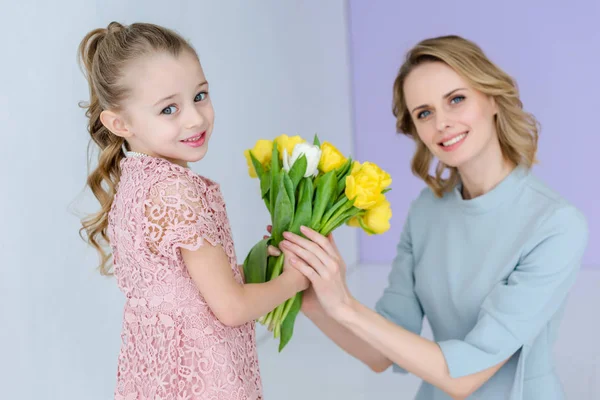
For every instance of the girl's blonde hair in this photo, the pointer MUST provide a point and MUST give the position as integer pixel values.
(105, 53)
(517, 130)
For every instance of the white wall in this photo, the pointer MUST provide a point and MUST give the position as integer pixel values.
(274, 67)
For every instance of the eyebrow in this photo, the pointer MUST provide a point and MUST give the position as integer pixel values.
(445, 97)
(174, 95)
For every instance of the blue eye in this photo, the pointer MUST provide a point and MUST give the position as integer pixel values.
(423, 114)
(457, 99)
(169, 110)
(200, 96)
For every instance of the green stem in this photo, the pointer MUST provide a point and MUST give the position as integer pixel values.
(277, 316)
(277, 268)
(334, 223)
(268, 319)
(338, 204)
(288, 307)
(333, 217)
(277, 331)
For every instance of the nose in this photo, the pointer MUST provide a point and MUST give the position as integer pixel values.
(443, 121)
(193, 117)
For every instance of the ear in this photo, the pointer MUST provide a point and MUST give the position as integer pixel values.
(115, 123)
(494, 105)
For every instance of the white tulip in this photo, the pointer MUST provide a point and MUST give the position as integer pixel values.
(313, 156)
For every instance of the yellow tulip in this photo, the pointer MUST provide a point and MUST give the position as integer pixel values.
(353, 222)
(385, 179)
(262, 152)
(376, 220)
(365, 183)
(288, 143)
(331, 158)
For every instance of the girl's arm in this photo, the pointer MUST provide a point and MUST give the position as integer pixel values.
(234, 304)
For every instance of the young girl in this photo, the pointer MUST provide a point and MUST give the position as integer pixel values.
(488, 254)
(188, 330)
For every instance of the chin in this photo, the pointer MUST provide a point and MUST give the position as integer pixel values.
(199, 155)
(448, 161)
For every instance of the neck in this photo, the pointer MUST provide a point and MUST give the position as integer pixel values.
(481, 177)
(137, 153)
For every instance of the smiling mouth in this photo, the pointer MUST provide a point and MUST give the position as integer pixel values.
(194, 138)
(454, 140)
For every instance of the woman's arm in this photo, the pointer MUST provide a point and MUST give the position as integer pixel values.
(412, 352)
(342, 336)
(356, 325)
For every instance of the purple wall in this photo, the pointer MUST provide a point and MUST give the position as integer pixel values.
(552, 51)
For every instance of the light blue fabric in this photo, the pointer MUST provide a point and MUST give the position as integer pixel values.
(492, 276)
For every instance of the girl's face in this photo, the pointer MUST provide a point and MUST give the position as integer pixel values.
(455, 121)
(167, 112)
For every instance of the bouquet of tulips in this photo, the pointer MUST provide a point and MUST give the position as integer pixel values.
(316, 186)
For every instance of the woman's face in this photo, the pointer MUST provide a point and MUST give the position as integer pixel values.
(455, 121)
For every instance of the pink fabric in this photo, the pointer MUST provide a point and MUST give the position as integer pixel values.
(173, 346)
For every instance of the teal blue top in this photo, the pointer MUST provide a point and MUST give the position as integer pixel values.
(492, 276)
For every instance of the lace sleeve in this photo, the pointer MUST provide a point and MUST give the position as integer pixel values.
(178, 215)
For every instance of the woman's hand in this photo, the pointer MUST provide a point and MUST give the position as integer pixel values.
(318, 258)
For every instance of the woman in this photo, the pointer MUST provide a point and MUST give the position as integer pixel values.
(488, 253)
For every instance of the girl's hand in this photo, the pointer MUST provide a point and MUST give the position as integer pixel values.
(297, 277)
(318, 258)
(271, 250)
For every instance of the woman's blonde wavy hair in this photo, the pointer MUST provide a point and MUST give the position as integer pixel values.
(517, 130)
(105, 53)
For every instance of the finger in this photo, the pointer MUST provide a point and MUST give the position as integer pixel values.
(306, 255)
(273, 251)
(333, 243)
(311, 246)
(338, 255)
(321, 240)
(305, 270)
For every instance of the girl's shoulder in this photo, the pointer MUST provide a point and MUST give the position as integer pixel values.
(153, 172)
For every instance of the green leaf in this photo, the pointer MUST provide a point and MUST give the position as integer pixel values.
(255, 264)
(303, 212)
(275, 165)
(333, 197)
(365, 227)
(273, 191)
(271, 265)
(333, 209)
(384, 191)
(290, 190)
(265, 184)
(345, 168)
(282, 215)
(341, 186)
(298, 170)
(324, 191)
(338, 220)
(277, 267)
(287, 326)
(316, 141)
(260, 170)
(275, 171)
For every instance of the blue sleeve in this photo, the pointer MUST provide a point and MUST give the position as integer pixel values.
(399, 302)
(516, 310)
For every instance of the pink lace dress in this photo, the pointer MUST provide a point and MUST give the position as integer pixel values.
(173, 346)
